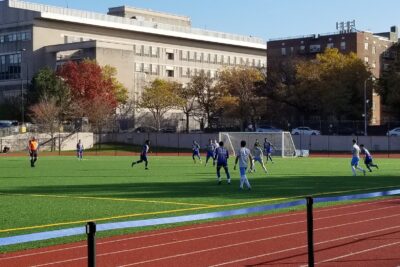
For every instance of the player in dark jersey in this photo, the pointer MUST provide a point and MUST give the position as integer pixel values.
(143, 154)
(368, 158)
(79, 150)
(222, 156)
(210, 150)
(268, 148)
(196, 151)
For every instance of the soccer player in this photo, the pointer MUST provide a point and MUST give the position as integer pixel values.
(243, 157)
(143, 154)
(210, 151)
(216, 144)
(368, 158)
(355, 151)
(33, 146)
(268, 147)
(258, 157)
(79, 150)
(222, 156)
(196, 151)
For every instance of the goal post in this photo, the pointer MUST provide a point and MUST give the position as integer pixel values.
(282, 142)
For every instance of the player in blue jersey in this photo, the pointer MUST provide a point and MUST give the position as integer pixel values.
(221, 157)
(268, 148)
(143, 154)
(210, 150)
(79, 150)
(196, 151)
(355, 151)
(368, 158)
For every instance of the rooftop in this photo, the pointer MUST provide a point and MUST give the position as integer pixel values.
(103, 20)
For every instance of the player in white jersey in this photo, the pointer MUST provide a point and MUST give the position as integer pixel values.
(368, 158)
(243, 157)
(355, 151)
(258, 157)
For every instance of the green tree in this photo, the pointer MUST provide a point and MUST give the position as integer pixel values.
(188, 101)
(389, 83)
(331, 86)
(242, 84)
(206, 95)
(159, 97)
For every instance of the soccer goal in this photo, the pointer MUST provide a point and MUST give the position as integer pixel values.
(282, 142)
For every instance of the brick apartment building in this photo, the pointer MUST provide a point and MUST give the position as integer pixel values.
(372, 48)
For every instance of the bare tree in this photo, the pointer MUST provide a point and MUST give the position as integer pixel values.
(46, 113)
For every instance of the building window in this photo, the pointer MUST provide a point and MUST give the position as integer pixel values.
(366, 46)
(374, 50)
(154, 51)
(138, 50)
(170, 72)
(283, 51)
(10, 66)
(386, 67)
(170, 56)
(342, 45)
(366, 59)
(315, 48)
(330, 45)
(302, 49)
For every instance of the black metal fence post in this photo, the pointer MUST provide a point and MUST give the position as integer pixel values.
(310, 231)
(91, 242)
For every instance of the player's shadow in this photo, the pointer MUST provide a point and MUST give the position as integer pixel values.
(263, 188)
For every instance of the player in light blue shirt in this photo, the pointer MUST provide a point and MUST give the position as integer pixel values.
(196, 151)
(221, 157)
(243, 157)
(258, 157)
(143, 154)
(355, 151)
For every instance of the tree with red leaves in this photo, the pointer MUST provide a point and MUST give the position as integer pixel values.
(94, 91)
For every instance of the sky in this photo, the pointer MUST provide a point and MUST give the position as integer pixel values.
(267, 19)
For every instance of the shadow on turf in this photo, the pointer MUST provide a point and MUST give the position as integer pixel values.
(263, 188)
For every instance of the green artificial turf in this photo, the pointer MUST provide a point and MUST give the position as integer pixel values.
(63, 192)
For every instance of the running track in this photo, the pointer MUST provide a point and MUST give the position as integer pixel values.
(362, 234)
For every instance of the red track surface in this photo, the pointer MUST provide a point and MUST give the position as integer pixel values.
(363, 234)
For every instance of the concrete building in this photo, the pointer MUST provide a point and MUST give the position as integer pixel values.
(141, 44)
(370, 47)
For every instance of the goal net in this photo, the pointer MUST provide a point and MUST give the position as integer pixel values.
(282, 142)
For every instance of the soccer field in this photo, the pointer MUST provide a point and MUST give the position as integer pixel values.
(62, 192)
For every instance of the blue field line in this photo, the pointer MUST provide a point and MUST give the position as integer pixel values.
(357, 196)
(19, 239)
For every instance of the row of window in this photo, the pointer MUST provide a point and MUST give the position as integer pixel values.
(15, 36)
(183, 72)
(10, 66)
(173, 54)
(314, 48)
(195, 56)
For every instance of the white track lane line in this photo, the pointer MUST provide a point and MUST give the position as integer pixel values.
(355, 253)
(196, 228)
(305, 246)
(229, 233)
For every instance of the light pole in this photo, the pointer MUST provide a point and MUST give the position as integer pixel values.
(365, 104)
(365, 107)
